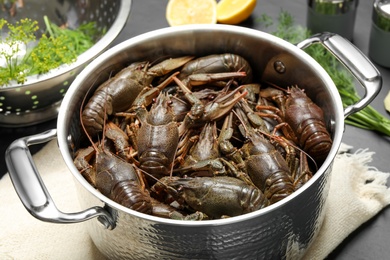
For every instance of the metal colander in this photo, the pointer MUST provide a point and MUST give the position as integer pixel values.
(39, 98)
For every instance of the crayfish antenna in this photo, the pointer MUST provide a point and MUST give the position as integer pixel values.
(81, 119)
(151, 176)
(173, 164)
(275, 86)
(104, 123)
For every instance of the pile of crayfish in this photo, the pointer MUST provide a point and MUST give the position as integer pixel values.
(195, 138)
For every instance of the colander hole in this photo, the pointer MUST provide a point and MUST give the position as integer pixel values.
(34, 97)
(2, 98)
(28, 92)
(66, 83)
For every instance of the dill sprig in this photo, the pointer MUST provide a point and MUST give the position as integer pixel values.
(367, 118)
(19, 35)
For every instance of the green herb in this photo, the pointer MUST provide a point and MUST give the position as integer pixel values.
(79, 40)
(59, 46)
(18, 37)
(367, 118)
(327, 8)
(383, 23)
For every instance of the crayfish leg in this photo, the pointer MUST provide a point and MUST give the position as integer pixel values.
(166, 211)
(304, 173)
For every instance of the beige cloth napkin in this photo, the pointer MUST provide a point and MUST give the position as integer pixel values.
(356, 190)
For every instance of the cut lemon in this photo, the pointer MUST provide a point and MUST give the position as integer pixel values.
(181, 12)
(234, 11)
(387, 102)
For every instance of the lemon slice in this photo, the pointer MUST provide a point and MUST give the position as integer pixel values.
(234, 11)
(180, 12)
(387, 102)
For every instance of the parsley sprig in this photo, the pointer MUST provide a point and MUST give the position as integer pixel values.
(367, 118)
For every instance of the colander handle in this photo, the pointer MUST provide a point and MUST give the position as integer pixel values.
(33, 192)
(355, 61)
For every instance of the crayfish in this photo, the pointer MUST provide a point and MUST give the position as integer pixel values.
(199, 139)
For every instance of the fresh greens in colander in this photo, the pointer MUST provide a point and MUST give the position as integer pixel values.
(23, 55)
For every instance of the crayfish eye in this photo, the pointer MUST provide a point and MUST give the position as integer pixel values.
(211, 97)
(140, 67)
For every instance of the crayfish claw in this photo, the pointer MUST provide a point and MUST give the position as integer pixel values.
(169, 65)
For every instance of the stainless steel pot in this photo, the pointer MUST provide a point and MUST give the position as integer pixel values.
(282, 230)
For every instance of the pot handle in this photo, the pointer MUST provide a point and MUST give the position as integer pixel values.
(355, 61)
(32, 191)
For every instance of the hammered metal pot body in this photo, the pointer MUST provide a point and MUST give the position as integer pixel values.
(283, 230)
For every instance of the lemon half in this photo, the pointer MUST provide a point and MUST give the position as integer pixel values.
(180, 12)
(234, 11)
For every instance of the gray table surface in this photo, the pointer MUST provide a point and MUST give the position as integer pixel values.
(372, 239)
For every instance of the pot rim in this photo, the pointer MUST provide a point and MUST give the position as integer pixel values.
(337, 124)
